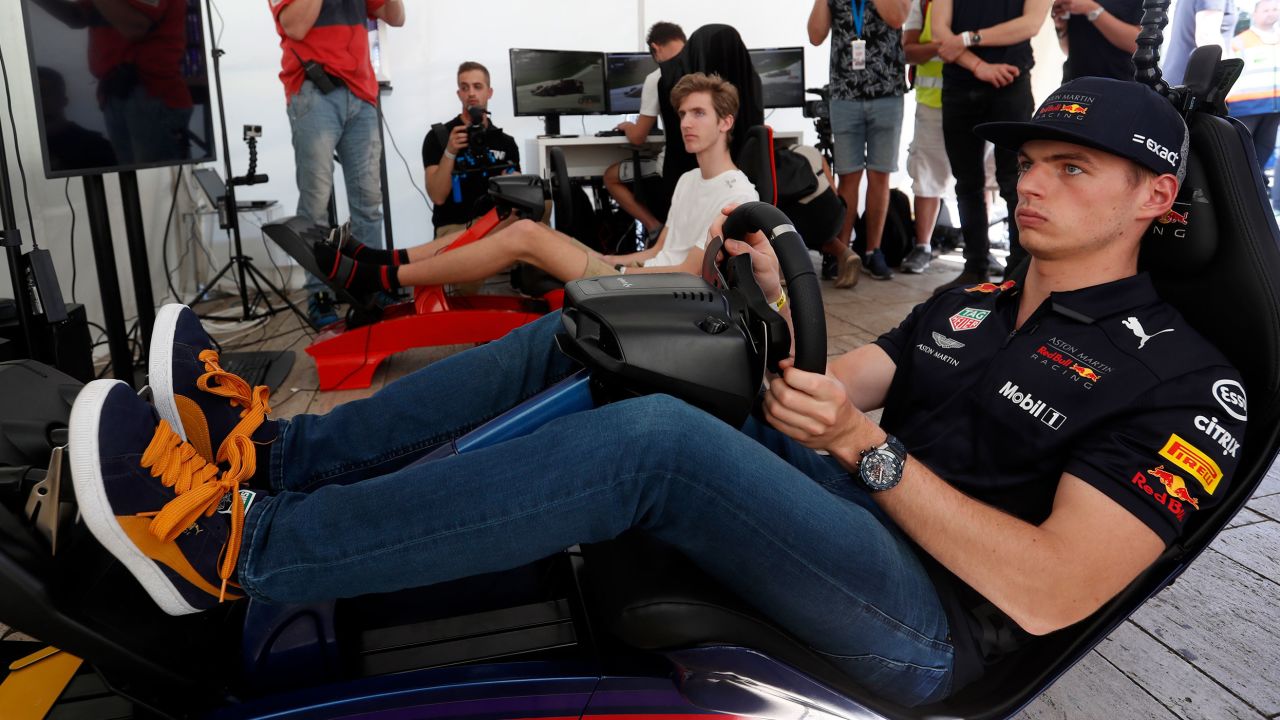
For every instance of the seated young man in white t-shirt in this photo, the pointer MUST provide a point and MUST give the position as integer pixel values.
(707, 105)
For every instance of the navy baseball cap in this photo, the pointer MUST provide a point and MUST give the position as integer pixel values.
(1121, 117)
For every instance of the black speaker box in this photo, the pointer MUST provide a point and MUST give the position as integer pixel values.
(65, 345)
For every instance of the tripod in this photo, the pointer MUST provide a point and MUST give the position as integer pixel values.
(229, 215)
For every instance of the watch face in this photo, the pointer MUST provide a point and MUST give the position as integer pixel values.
(881, 469)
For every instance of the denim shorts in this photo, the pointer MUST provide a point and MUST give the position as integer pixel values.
(866, 134)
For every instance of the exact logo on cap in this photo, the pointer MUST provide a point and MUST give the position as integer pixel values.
(1157, 149)
(1065, 106)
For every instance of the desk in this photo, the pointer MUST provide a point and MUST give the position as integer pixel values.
(589, 156)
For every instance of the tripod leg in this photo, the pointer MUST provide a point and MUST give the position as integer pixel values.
(253, 269)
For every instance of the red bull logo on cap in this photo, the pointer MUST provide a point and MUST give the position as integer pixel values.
(1065, 106)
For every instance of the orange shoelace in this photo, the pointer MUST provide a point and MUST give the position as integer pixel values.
(251, 400)
(199, 488)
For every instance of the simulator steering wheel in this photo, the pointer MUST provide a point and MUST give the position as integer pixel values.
(807, 316)
(561, 191)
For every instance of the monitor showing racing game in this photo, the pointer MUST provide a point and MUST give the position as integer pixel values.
(110, 98)
(557, 82)
(625, 79)
(781, 73)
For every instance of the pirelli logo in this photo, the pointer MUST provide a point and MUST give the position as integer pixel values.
(1189, 458)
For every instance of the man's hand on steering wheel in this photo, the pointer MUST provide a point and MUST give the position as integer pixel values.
(816, 411)
(764, 262)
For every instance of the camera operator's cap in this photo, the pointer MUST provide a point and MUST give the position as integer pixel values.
(1121, 117)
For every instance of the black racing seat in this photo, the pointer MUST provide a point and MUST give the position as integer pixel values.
(1216, 259)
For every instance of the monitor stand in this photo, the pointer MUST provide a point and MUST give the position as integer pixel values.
(552, 126)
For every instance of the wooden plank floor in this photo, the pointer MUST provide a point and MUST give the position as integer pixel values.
(1208, 647)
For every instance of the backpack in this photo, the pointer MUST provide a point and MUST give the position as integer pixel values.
(899, 230)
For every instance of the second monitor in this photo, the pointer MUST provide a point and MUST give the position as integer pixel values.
(781, 73)
(627, 72)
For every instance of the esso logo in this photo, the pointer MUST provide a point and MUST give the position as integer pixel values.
(1230, 395)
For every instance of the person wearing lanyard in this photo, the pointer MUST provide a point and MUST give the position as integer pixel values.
(868, 79)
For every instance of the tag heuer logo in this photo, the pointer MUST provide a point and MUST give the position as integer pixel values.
(943, 341)
(968, 319)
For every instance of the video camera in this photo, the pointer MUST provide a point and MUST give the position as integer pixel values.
(475, 132)
(820, 112)
(818, 109)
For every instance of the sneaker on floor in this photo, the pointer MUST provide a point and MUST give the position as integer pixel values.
(917, 261)
(320, 310)
(830, 268)
(847, 270)
(174, 520)
(876, 266)
(202, 403)
(964, 279)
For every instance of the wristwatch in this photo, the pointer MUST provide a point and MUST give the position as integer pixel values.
(1096, 13)
(975, 38)
(881, 466)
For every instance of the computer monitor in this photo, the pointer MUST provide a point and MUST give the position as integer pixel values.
(107, 101)
(552, 83)
(781, 73)
(625, 79)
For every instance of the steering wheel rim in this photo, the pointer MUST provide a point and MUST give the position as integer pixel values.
(561, 195)
(808, 321)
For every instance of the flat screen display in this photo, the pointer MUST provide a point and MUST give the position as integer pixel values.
(625, 80)
(120, 91)
(557, 82)
(781, 73)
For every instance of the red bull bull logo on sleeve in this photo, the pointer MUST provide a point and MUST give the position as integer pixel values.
(1174, 497)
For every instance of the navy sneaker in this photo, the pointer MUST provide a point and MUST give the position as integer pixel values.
(174, 520)
(876, 266)
(203, 403)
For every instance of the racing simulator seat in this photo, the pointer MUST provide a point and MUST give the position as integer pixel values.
(348, 353)
(1215, 258)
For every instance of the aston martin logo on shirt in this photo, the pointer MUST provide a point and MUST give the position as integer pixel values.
(943, 341)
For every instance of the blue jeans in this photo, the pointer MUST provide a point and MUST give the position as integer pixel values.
(779, 524)
(343, 122)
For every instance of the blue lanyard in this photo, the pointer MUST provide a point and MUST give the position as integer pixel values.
(859, 6)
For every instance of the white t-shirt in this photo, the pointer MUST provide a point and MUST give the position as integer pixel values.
(915, 17)
(649, 95)
(695, 204)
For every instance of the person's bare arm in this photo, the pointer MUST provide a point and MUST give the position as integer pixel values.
(1016, 30)
(392, 13)
(1116, 31)
(819, 22)
(299, 17)
(1093, 545)
(637, 133)
(893, 12)
(125, 18)
(1209, 29)
(918, 52)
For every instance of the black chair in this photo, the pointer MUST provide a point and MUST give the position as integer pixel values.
(1221, 269)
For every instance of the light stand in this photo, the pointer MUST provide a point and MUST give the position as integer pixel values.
(246, 271)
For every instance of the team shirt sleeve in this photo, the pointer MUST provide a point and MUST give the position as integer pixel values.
(373, 6)
(1172, 455)
(432, 150)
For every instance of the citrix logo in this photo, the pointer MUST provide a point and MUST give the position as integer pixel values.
(1035, 408)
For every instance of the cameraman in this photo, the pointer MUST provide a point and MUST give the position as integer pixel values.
(457, 172)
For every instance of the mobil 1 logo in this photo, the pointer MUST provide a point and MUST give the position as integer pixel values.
(1037, 409)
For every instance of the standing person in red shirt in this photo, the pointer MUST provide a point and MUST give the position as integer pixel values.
(332, 93)
(135, 52)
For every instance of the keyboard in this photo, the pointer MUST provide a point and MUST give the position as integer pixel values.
(610, 133)
(259, 368)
